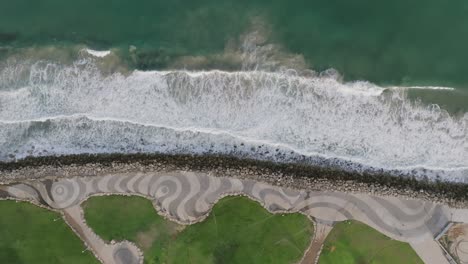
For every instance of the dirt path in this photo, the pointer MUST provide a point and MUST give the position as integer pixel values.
(320, 234)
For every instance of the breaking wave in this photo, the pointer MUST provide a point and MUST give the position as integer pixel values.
(52, 109)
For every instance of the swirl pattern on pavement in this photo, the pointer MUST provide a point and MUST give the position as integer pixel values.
(188, 197)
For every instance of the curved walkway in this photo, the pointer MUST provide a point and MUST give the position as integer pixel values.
(187, 197)
(122, 252)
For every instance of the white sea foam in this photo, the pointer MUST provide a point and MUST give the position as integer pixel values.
(425, 87)
(266, 115)
(98, 53)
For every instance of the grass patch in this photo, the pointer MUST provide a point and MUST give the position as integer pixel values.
(238, 230)
(30, 234)
(124, 218)
(352, 242)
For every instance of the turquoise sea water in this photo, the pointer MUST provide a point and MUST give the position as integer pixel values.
(398, 100)
(387, 42)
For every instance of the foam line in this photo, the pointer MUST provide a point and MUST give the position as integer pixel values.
(98, 53)
(67, 109)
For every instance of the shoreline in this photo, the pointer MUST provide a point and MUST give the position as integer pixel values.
(291, 175)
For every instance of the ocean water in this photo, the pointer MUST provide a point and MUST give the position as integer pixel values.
(281, 116)
(385, 42)
(363, 86)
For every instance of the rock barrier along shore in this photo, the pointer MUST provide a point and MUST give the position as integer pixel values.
(292, 175)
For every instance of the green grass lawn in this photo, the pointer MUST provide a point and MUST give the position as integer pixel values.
(238, 230)
(30, 234)
(352, 242)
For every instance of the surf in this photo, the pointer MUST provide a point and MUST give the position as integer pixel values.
(282, 116)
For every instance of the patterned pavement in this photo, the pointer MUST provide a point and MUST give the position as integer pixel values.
(187, 197)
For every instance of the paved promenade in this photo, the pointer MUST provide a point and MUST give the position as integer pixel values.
(187, 197)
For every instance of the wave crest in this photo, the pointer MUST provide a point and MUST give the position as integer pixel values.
(320, 117)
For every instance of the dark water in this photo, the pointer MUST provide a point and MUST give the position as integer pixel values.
(387, 42)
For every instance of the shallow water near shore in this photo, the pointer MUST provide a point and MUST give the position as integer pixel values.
(58, 109)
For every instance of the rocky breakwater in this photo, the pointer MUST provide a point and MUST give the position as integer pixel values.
(297, 176)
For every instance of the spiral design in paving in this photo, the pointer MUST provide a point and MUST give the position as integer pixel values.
(188, 197)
